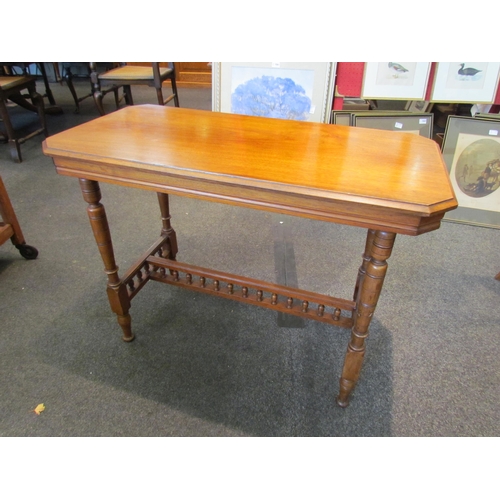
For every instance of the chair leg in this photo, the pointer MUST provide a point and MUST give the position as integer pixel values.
(174, 90)
(68, 78)
(128, 95)
(37, 101)
(48, 91)
(159, 95)
(14, 146)
(98, 102)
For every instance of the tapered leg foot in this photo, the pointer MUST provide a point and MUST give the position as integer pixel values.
(370, 280)
(125, 322)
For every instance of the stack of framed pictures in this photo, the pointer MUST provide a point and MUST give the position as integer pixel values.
(471, 151)
(397, 121)
(415, 123)
(341, 118)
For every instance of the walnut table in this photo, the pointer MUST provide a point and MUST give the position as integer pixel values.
(386, 182)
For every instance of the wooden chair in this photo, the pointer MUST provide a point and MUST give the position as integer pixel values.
(81, 71)
(24, 69)
(10, 89)
(10, 228)
(126, 75)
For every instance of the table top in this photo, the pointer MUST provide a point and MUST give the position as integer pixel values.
(371, 178)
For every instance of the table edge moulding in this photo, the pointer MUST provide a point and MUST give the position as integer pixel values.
(387, 182)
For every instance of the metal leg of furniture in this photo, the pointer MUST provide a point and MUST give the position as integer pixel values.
(370, 287)
(117, 293)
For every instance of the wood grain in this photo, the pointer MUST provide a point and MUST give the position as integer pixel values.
(364, 177)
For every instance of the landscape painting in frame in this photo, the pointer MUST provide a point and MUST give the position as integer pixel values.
(290, 91)
(395, 80)
(471, 149)
(474, 82)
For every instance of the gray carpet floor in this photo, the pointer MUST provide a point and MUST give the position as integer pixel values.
(202, 366)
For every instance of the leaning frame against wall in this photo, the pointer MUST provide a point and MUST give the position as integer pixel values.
(471, 150)
(300, 91)
(415, 123)
(390, 80)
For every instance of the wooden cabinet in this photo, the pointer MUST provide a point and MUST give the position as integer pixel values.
(194, 74)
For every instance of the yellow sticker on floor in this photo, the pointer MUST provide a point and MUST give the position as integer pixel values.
(39, 408)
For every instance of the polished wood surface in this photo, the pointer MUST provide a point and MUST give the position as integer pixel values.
(370, 178)
(386, 182)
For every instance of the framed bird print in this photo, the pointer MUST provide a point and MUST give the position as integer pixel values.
(471, 151)
(471, 82)
(395, 80)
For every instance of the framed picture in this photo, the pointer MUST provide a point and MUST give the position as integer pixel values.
(471, 151)
(419, 106)
(474, 82)
(341, 118)
(488, 116)
(395, 80)
(419, 124)
(294, 91)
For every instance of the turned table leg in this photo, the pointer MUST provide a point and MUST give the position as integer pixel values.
(117, 292)
(366, 259)
(370, 280)
(169, 250)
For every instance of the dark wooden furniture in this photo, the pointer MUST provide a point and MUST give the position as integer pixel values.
(150, 74)
(497, 277)
(11, 88)
(386, 182)
(23, 68)
(79, 70)
(10, 228)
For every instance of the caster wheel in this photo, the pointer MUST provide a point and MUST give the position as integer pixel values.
(27, 251)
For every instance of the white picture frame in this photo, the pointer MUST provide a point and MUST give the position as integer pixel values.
(313, 92)
(450, 86)
(391, 80)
